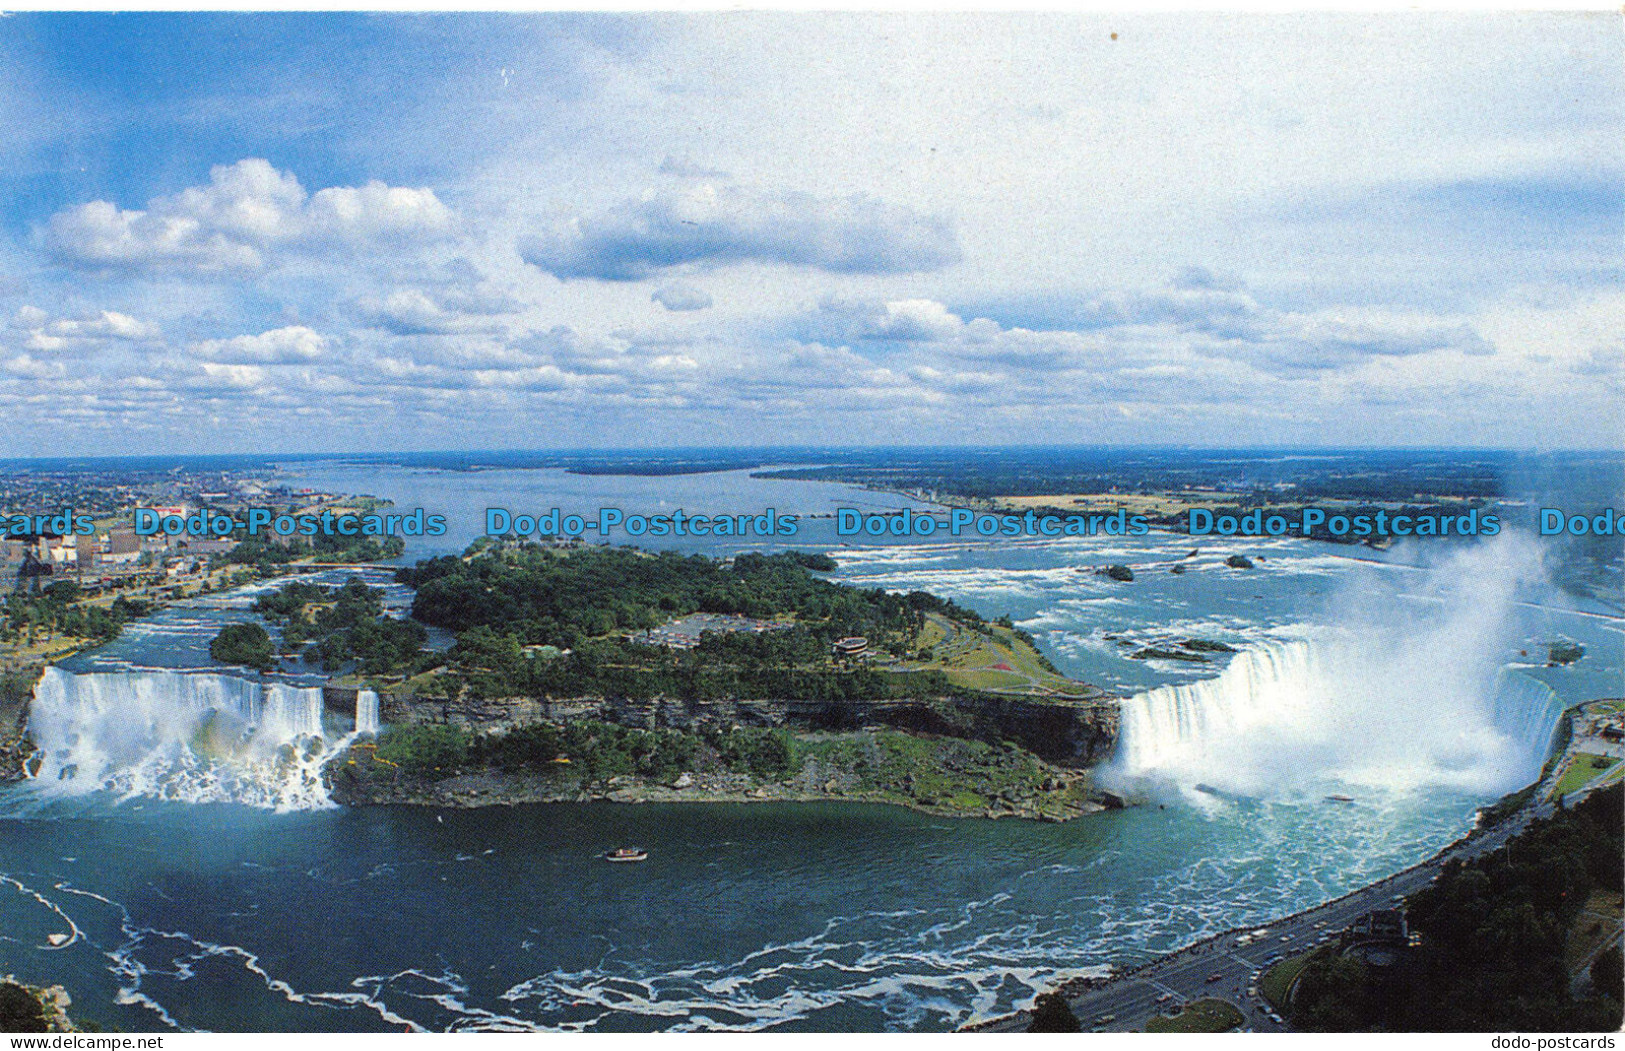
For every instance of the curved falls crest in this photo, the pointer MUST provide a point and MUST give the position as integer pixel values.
(1287, 716)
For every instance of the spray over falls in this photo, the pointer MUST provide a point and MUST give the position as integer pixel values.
(190, 737)
(1409, 690)
(1287, 716)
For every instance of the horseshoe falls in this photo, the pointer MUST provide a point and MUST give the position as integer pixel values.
(128, 873)
(1287, 716)
(1405, 685)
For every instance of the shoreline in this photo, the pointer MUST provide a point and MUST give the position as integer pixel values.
(1535, 804)
(1076, 988)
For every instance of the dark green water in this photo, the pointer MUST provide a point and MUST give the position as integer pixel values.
(796, 916)
(825, 917)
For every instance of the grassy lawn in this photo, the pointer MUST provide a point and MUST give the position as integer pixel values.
(1200, 1016)
(999, 661)
(1278, 979)
(932, 635)
(1581, 769)
(943, 772)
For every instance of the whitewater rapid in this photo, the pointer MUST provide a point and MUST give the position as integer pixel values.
(186, 736)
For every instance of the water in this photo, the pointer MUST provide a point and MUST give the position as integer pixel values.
(1296, 716)
(192, 737)
(230, 916)
(366, 712)
(177, 637)
(796, 916)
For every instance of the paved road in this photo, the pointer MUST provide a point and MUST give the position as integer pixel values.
(1227, 967)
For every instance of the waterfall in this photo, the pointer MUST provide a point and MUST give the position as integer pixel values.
(1291, 715)
(366, 712)
(182, 736)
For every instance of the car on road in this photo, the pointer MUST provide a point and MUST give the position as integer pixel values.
(1164, 998)
(1215, 977)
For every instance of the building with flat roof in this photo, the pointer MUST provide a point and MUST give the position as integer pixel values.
(1379, 938)
(851, 646)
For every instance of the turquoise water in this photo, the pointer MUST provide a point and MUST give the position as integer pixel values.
(786, 916)
(800, 916)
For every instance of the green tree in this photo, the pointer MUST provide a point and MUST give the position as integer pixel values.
(247, 644)
(20, 1010)
(1051, 1014)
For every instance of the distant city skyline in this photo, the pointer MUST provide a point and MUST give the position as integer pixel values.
(306, 233)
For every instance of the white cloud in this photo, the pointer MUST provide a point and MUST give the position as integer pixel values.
(65, 334)
(907, 320)
(417, 311)
(716, 225)
(376, 212)
(247, 210)
(282, 346)
(1205, 319)
(213, 374)
(29, 367)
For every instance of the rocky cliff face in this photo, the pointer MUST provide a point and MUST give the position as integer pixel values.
(16, 690)
(1064, 732)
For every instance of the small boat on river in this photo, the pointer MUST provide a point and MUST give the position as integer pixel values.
(625, 855)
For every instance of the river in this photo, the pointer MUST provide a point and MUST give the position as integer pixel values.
(1416, 689)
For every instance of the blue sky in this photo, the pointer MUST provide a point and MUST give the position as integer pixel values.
(234, 232)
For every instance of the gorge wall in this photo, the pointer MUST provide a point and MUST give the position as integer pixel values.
(1065, 732)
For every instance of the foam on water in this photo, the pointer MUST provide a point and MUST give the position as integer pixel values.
(1409, 690)
(198, 738)
(1288, 715)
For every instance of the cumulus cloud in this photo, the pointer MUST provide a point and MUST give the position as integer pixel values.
(247, 210)
(1195, 317)
(682, 297)
(711, 225)
(240, 377)
(28, 367)
(904, 320)
(421, 312)
(375, 212)
(1222, 317)
(282, 346)
(63, 334)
